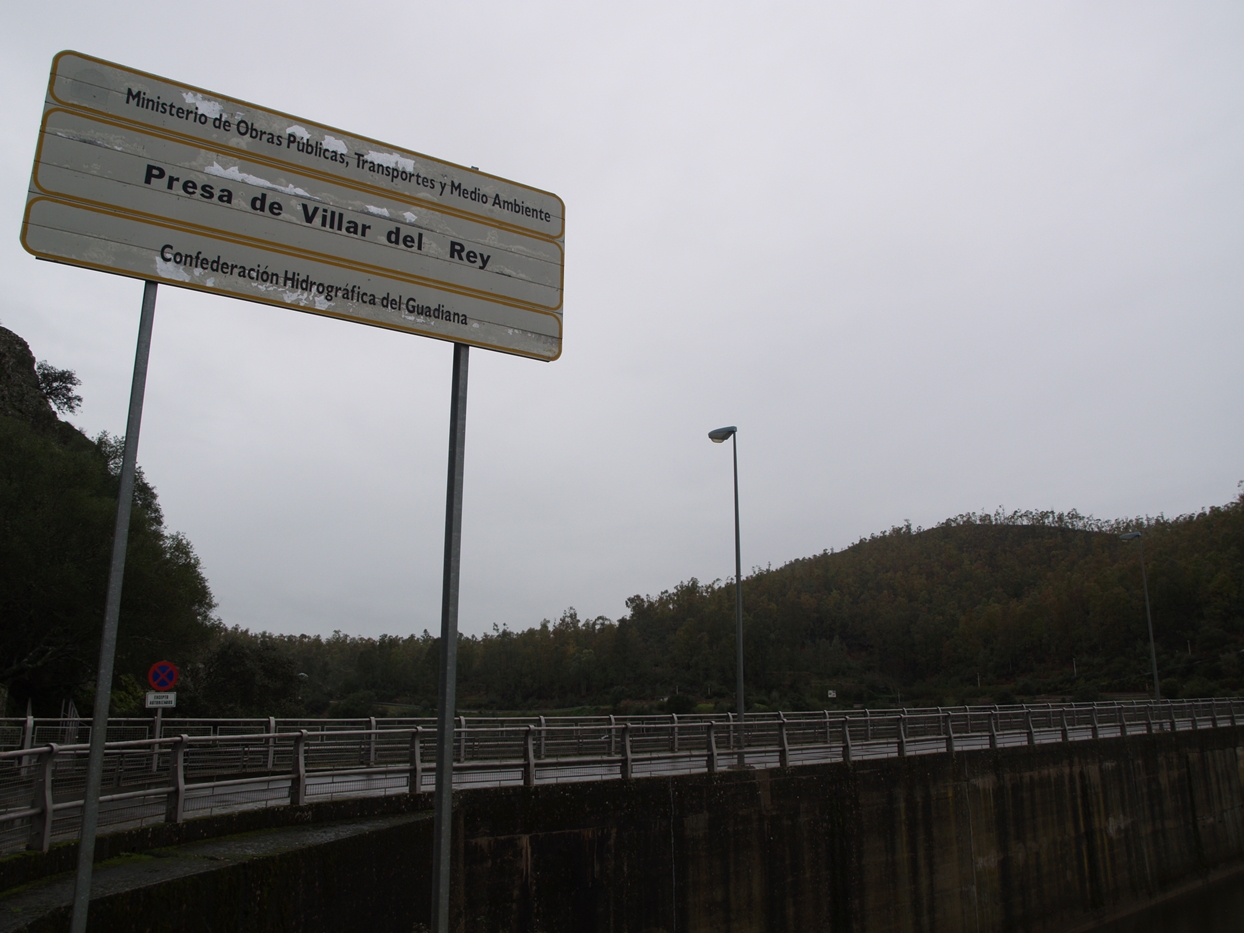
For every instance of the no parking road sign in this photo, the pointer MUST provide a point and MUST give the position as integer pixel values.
(162, 676)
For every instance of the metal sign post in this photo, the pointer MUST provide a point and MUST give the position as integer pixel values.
(443, 827)
(112, 611)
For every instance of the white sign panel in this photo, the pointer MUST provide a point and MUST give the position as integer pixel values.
(161, 700)
(146, 177)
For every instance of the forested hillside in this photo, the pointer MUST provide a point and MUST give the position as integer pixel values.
(997, 607)
(58, 500)
(1030, 603)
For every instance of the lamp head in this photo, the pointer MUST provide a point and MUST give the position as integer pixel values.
(1129, 536)
(721, 434)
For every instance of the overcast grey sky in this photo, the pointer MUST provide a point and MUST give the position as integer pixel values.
(929, 258)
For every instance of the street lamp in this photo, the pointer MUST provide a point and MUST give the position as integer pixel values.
(719, 437)
(1153, 652)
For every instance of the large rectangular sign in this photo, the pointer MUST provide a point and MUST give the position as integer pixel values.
(145, 177)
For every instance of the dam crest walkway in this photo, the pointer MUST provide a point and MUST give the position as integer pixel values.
(170, 770)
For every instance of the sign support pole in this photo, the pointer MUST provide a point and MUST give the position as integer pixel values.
(112, 612)
(443, 826)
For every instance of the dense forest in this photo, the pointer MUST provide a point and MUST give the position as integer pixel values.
(980, 608)
(58, 500)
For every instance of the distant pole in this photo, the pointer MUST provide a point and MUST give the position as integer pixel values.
(718, 437)
(112, 613)
(738, 593)
(1153, 651)
(442, 831)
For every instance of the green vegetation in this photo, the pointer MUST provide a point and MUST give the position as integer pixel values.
(981, 608)
(58, 494)
(1034, 604)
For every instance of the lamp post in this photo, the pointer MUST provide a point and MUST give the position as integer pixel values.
(1153, 651)
(719, 437)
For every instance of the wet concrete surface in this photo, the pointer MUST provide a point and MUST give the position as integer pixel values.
(1209, 908)
(40, 903)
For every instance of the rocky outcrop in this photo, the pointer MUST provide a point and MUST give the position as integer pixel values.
(20, 396)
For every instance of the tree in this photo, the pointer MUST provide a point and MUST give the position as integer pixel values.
(57, 386)
(250, 675)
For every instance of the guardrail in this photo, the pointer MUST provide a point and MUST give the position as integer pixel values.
(230, 765)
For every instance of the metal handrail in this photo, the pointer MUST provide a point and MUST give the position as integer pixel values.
(41, 785)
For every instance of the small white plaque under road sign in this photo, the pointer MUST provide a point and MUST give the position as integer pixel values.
(161, 700)
(143, 176)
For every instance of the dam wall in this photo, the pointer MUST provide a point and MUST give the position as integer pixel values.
(1051, 837)
(1045, 837)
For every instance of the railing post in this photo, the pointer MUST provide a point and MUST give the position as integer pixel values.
(868, 725)
(783, 744)
(828, 738)
(1149, 718)
(627, 772)
(298, 781)
(1231, 710)
(1213, 714)
(902, 735)
(950, 734)
(993, 730)
(543, 733)
(1063, 717)
(175, 809)
(416, 761)
(529, 754)
(712, 747)
(1096, 732)
(28, 730)
(846, 739)
(462, 736)
(271, 743)
(371, 741)
(1032, 735)
(156, 729)
(1174, 724)
(613, 723)
(1192, 710)
(673, 732)
(41, 825)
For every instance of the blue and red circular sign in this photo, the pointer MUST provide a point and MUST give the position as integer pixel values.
(162, 676)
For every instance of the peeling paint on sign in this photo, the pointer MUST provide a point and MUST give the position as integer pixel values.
(142, 176)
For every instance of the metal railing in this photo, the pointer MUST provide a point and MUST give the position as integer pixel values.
(202, 767)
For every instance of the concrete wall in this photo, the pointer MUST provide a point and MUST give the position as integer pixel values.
(1042, 838)
(1032, 839)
